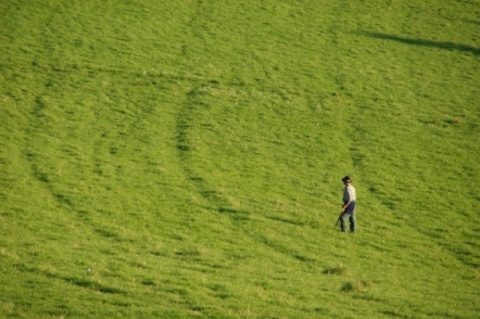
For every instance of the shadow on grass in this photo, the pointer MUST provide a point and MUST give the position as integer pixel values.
(451, 46)
(472, 21)
(77, 281)
(237, 214)
(225, 210)
(285, 220)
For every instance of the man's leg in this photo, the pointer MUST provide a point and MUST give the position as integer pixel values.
(352, 222)
(343, 222)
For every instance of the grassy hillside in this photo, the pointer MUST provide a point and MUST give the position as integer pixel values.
(182, 159)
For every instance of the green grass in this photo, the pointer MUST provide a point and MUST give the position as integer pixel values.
(182, 159)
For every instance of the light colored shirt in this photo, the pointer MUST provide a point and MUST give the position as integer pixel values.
(349, 193)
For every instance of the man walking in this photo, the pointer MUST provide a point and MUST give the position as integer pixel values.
(348, 207)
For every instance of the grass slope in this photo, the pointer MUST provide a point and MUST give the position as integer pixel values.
(182, 159)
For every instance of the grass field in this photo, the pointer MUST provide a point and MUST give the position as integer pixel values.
(183, 159)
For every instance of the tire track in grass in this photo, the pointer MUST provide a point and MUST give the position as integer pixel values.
(193, 104)
(39, 123)
(186, 146)
(189, 120)
(71, 151)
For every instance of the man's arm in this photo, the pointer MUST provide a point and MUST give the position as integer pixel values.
(345, 205)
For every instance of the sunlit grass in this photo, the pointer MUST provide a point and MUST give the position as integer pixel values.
(183, 159)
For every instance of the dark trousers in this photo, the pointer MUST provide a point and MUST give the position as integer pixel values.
(351, 219)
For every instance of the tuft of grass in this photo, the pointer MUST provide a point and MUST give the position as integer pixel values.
(356, 286)
(340, 271)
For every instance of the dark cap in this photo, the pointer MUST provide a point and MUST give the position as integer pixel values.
(346, 179)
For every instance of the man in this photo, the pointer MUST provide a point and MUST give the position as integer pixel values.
(348, 207)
